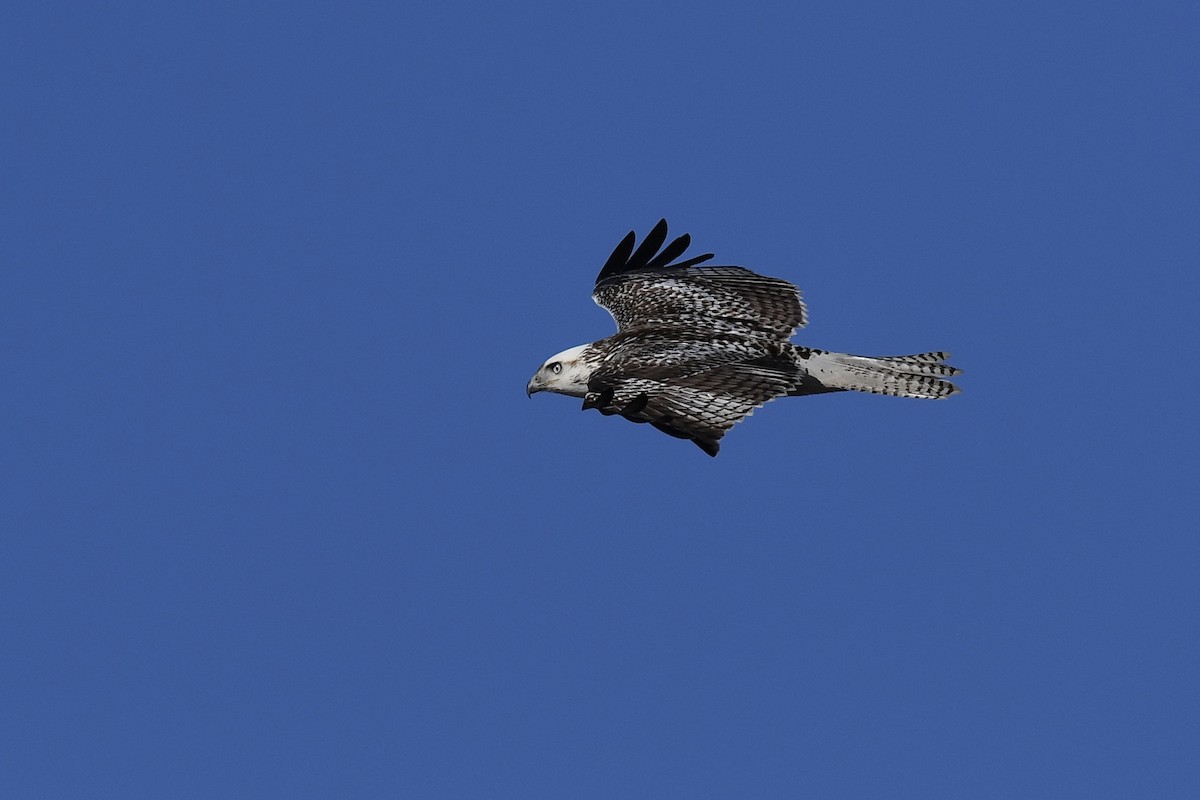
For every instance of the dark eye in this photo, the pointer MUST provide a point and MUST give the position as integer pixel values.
(555, 367)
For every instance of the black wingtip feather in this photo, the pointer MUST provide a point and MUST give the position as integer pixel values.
(649, 246)
(691, 262)
(619, 258)
(625, 259)
(671, 252)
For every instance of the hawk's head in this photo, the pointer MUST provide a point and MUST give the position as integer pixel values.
(565, 373)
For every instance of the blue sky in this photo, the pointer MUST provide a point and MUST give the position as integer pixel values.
(279, 521)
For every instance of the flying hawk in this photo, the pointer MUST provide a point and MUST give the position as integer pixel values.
(697, 349)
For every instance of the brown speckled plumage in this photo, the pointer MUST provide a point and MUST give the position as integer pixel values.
(699, 348)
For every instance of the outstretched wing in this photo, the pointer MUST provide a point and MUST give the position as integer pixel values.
(643, 288)
(697, 398)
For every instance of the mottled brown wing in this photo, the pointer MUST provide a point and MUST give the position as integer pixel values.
(718, 299)
(692, 403)
(641, 287)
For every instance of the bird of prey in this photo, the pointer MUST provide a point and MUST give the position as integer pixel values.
(697, 349)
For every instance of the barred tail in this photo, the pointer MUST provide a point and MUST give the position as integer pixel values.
(917, 375)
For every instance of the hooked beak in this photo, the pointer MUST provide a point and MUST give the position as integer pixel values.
(532, 387)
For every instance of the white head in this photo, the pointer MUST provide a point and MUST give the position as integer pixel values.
(565, 373)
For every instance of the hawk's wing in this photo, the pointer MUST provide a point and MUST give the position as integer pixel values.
(642, 288)
(694, 400)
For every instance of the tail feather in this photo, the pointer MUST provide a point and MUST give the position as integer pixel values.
(919, 375)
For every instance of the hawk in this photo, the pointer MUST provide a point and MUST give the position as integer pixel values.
(698, 348)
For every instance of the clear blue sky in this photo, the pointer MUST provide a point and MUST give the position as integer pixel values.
(277, 519)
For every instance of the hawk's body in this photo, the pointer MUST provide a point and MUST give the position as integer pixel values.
(697, 349)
